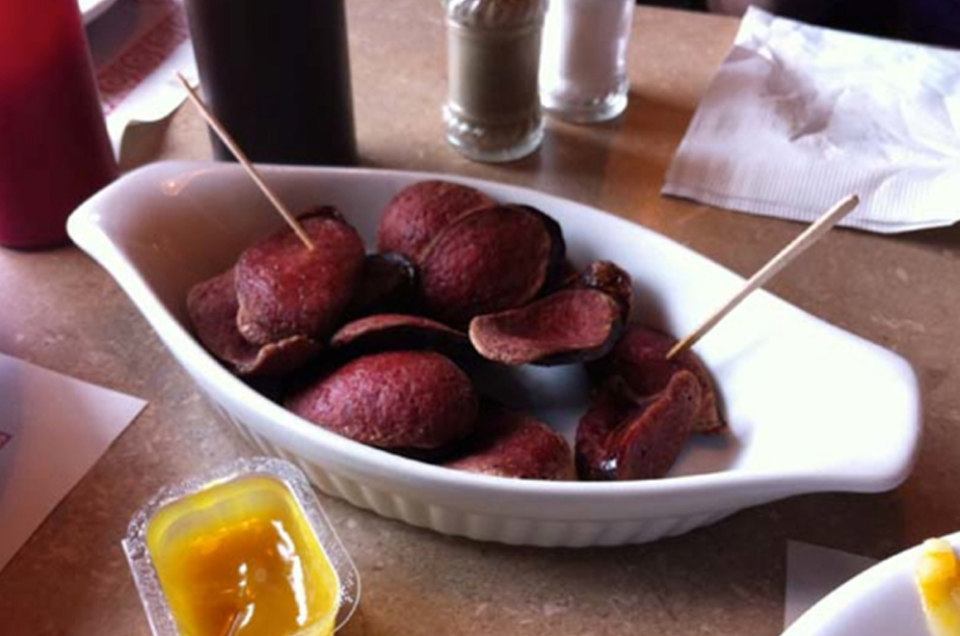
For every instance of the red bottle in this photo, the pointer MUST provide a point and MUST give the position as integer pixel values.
(54, 149)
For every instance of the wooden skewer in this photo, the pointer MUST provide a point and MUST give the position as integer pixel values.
(799, 245)
(245, 162)
(234, 628)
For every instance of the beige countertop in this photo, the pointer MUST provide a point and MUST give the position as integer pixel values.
(60, 310)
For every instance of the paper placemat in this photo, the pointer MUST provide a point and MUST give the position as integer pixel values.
(53, 428)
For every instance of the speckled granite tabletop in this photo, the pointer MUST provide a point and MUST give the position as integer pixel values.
(62, 311)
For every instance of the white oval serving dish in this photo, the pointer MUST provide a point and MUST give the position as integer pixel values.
(811, 407)
(882, 600)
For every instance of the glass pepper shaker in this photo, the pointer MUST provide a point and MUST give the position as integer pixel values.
(492, 112)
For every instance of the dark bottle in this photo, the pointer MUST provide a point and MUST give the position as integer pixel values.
(54, 149)
(277, 75)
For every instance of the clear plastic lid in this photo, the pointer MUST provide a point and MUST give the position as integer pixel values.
(145, 573)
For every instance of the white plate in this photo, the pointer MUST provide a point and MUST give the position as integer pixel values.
(811, 407)
(882, 600)
(93, 9)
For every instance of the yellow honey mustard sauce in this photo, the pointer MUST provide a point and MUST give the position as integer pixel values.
(240, 558)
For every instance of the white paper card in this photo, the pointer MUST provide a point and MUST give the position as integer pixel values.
(799, 116)
(53, 428)
(813, 572)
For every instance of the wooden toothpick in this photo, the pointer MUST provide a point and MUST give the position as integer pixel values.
(799, 245)
(235, 624)
(245, 162)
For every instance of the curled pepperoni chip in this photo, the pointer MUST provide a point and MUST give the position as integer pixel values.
(393, 400)
(557, 271)
(610, 278)
(285, 289)
(388, 332)
(417, 213)
(640, 359)
(514, 444)
(623, 437)
(572, 325)
(212, 307)
(388, 284)
(489, 260)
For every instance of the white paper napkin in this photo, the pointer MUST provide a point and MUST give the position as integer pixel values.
(799, 116)
(53, 428)
(137, 46)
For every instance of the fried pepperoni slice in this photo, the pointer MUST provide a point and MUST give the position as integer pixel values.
(640, 359)
(392, 400)
(609, 277)
(416, 214)
(489, 260)
(648, 442)
(387, 332)
(623, 436)
(285, 289)
(572, 325)
(388, 284)
(212, 307)
(514, 444)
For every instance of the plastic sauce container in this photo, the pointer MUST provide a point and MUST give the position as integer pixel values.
(243, 551)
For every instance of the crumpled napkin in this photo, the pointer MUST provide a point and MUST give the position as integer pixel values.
(799, 116)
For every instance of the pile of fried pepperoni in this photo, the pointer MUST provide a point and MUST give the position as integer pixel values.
(379, 347)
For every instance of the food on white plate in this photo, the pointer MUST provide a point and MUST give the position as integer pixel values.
(388, 284)
(571, 325)
(212, 306)
(490, 259)
(373, 347)
(579, 322)
(639, 358)
(398, 400)
(609, 278)
(509, 443)
(626, 436)
(418, 212)
(389, 332)
(938, 582)
(285, 289)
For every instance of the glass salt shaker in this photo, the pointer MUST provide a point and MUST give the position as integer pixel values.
(583, 71)
(492, 112)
